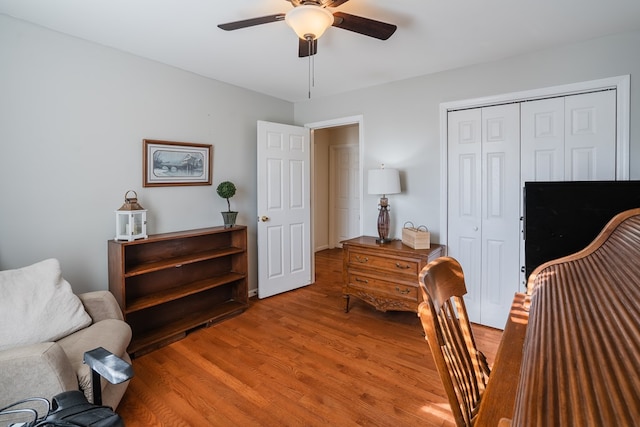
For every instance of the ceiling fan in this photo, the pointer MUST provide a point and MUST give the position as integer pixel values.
(310, 18)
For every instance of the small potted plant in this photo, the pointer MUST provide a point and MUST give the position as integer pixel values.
(227, 190)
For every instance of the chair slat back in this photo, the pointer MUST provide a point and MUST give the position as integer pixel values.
(462, 368)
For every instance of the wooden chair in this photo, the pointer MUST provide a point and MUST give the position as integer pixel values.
(463, 369)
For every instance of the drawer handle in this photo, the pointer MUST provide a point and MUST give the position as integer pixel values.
(406, 266)
(406, 291)
(361, 260)
(361, 280)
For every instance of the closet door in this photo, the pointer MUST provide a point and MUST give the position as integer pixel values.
(492, 152)
(465, 201)
(590, 136)
(484, 210)
(543, 140)
(570, 138)
(500, 212)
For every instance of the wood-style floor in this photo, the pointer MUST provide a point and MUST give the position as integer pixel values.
(297, 359)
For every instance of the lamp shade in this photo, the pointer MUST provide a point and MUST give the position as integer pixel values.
(309, 20)
(384, 181)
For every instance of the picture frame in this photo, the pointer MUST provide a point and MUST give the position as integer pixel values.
(170, 163)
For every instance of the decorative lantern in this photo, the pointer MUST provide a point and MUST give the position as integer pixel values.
(131, 219)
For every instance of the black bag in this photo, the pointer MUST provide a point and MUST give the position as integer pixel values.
(71, 408)
(68, 409)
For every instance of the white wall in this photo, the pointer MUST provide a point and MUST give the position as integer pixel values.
(73, 115)
(401, 120)
(72, 118)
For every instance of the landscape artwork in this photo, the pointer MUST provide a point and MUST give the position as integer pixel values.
(168, 163)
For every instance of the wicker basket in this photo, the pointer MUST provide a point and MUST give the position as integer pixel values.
(416, 237)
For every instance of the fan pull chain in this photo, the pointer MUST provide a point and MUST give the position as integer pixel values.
(313, 70)
(311, 67)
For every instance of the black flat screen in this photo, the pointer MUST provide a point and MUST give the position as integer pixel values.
(562, 218)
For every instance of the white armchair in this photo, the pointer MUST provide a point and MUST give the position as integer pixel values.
(44, 369)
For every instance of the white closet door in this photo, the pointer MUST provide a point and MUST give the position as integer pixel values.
(542, 150)
(542, 142)
(500, 212)
(570, 138)
(590, 136)
(465, 201)
(492, 152)
(484, 208)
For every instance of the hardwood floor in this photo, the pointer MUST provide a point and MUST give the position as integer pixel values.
(297, 359)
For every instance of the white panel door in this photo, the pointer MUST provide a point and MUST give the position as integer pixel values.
(492, 152)
(542, 140)
(465, 201)
(284, 213)
(344, 181)
(541, 150)
(500, 212)
(571, 138)
(484, 207)
(590, 136)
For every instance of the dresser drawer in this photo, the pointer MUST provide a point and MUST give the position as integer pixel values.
(384, 275)
(373, 285)
(395, 265)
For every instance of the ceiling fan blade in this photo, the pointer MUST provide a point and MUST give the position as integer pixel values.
(303, 48)
(368, 27)
(230, 26)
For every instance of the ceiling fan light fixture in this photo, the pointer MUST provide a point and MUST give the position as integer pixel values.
(309, 21)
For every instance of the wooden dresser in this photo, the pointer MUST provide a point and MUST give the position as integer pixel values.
(384, 275)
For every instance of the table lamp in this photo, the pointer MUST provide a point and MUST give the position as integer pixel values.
(383, 181)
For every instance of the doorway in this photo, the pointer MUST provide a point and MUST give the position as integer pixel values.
(336, 181)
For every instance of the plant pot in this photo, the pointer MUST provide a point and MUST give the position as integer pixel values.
(229, 218)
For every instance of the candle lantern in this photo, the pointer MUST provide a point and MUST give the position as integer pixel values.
(131, 219)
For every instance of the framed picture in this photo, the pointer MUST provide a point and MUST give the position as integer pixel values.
(168, 163)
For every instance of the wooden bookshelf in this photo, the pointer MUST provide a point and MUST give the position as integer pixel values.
(171, 283)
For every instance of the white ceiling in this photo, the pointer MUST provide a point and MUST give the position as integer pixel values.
(432, 36)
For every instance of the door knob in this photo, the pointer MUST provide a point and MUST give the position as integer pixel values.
(264, 218)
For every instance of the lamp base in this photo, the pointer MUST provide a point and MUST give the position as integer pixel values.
(382, 241)
(383, 221)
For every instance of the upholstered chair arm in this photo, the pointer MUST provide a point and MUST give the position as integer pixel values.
(101, 305)
(37, 370)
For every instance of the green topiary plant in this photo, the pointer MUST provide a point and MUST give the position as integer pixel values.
(226, 190)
